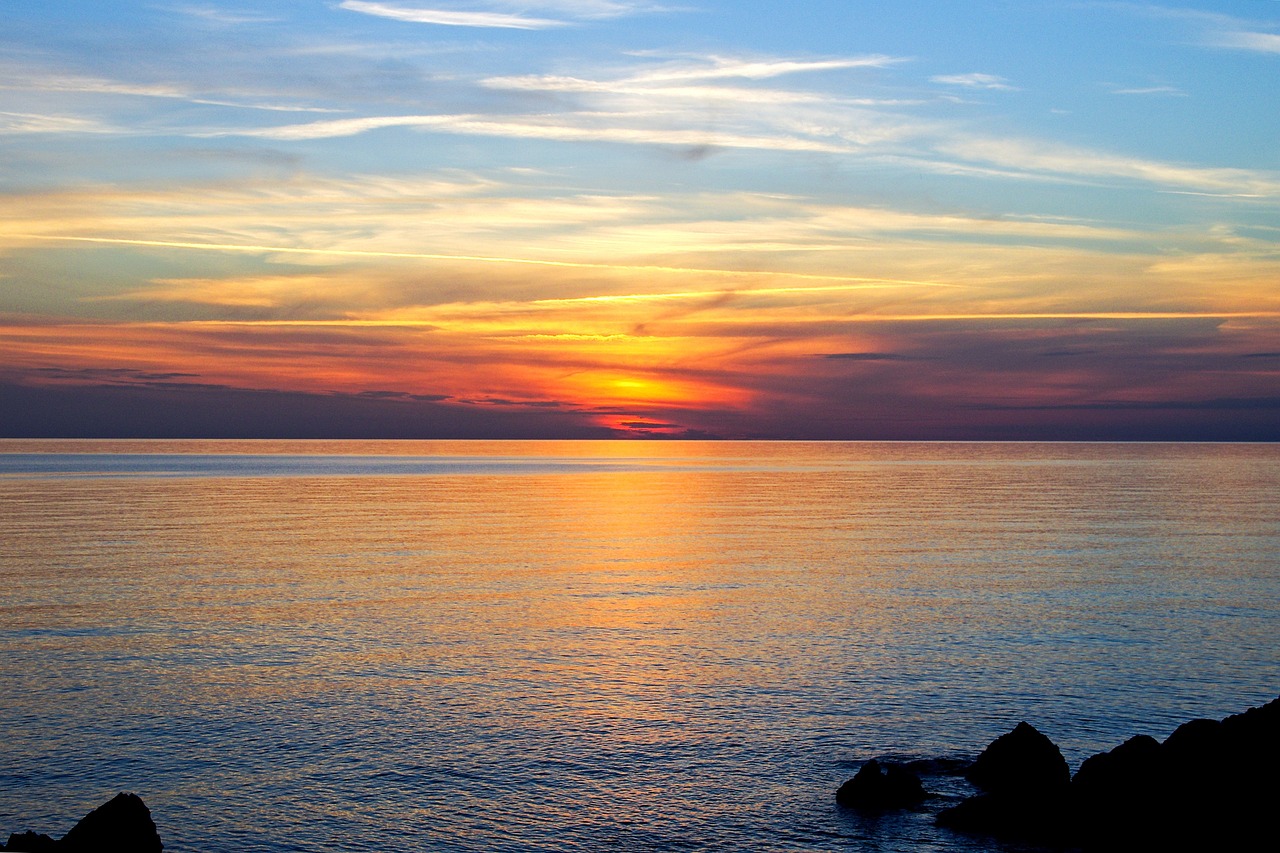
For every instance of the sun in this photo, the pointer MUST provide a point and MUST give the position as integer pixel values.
(608, 388)
(649, 404)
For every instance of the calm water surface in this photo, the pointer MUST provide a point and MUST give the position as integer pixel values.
(545, 646)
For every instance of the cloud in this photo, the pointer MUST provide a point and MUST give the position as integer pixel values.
(53, 82)
(327, 248)
(517, 19)
(1217, 29)
(974, 81)
(110, 374)
(717, 67)
(23, 123)
(336, 127)
(1149, 90)
(869, 356)
(1041, 156)
(541, 127)
(1259, 42)
(1228, 404)
(186, 410)
(592, 8)
(739, 96)
(18, 78)
(224, 17)
(449, 18)
(666, 106)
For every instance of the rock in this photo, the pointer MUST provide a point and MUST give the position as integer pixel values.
(1023, 763)
(1026, 780)
(1136, 763)
(1251, 746)
(1211, 785)
(1119, 798)
(30, 842)
(877, 789)
(1225, 783)
(1196, 746)
(1041, 820)
(121, 825)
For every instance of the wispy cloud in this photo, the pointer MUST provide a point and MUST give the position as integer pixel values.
(1171, 91)
(1216, 29)
(717, 67)
(608, 254)
(591, 8)
(25, 79)
(660, 104)
(1066, 160)
(518, 17)
(22, 123)
(336, 127)
(1255, 41)
(975, 80)
(450, 18)
(53, 82)
(727, 94)
(588, 129)
(225, 17)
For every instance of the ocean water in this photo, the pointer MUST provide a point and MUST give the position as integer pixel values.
(556, 646)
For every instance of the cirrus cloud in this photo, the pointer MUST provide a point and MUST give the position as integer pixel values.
(450, 18)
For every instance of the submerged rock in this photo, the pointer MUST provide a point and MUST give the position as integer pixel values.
(121, 825)
(874, 788)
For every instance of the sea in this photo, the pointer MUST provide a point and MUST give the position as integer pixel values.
(597, 646)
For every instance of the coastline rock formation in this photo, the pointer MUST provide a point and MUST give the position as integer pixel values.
(1210, 785)
(1024, 779)
(121, 825)
(1021, 762)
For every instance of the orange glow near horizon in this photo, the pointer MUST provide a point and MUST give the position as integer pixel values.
(606, 389)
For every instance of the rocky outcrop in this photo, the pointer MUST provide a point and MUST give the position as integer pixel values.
(1025, 781)
(1023, 761)
(1210, 785)
(877, 788)
(31, 842)
(1118, 794)
(121, 825)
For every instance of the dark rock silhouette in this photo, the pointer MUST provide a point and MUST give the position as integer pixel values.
(1116, 795)
(1025, 779)
(30, 842)
(874, 788)
(1039, 820)
(121, 825)
(124, 823)
(1212, 785)
(1021, 762)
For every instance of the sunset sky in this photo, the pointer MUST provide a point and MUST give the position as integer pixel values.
(580, 218)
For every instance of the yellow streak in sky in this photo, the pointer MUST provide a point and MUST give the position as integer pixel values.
(854, 284)
(853, 318)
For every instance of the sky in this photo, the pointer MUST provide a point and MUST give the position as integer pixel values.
(928, 220)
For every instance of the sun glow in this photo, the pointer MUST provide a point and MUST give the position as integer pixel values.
(633, 389)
